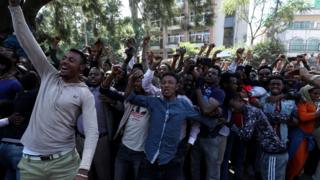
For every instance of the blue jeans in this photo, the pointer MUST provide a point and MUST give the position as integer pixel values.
(234, 142)
(127, 158)
(10, 155)
(212, 150)
(170, 171)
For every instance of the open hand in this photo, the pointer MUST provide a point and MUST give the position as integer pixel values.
(16, 119)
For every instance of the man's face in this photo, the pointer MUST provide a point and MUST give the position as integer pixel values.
(264, 75)
(138, 82)
(253, 76)
(95, 77)
(212, 76)
(236, 105)
(233, 84)
(70, 65)
(169, 86)
(188, 82)
(163, 69)
(276, 86)
(315, 94)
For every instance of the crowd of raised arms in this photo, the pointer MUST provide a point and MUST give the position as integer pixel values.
(184, 118)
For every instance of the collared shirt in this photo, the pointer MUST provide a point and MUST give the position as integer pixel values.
(101, 113)
(165, 125)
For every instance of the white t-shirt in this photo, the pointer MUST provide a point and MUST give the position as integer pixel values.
(136, 129)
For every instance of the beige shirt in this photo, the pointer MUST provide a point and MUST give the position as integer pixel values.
(52, 125)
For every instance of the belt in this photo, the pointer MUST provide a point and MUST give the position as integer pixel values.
(45, 157)
(100, 135)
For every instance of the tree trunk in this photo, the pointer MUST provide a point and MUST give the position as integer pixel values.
(30, 9)
(165, 41)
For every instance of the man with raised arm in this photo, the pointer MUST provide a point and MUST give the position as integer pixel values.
(49, 141)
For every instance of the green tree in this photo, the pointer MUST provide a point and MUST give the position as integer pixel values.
(268, 50)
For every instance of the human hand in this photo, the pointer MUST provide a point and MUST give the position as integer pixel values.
(195, 73)
(14, 3)
(16, 119)
(204, 47)
(212, 45)
(116, 69)
(135, 75)
(82, 174)
(156, 62)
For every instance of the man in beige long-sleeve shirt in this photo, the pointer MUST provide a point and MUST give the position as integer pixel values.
(49, 141)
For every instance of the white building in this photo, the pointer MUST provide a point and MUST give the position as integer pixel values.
(303, 35)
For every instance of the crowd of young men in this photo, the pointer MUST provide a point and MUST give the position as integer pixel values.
(83, 117)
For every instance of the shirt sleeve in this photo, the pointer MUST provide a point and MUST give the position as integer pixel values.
(195, 130)
(147, 83)
(90, 125)
(233, 66)
(247, 130)
(29, 43)
(191, 113)
(17, 87)
(304, 114)
(4, 122)
(112, 94)
(138, 99)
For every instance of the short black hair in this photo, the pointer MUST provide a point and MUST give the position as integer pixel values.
(225, 77)
(4, 60)
(172, 74)
(29, 80)
(265, 67)
(277, 78)
(217, 68)
(82, 55)
(138, 66)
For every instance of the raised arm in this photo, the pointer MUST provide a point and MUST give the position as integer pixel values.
(27, 41)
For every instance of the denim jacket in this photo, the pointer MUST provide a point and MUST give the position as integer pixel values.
(165, 125)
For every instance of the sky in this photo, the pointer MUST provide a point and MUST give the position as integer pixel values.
(125, 10)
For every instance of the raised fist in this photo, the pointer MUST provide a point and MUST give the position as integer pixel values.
(14, 2)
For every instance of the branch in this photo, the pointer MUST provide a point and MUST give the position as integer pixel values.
(261, 18)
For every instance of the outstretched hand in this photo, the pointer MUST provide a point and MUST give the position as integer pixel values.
(14, 2)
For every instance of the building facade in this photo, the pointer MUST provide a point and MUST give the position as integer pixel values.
(303, 35)
(207, 26)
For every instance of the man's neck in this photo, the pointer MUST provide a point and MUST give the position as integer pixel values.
(72, 80)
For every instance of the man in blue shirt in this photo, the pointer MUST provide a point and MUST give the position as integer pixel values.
(167, 115)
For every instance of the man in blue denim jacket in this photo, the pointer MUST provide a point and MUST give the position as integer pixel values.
(167, 115)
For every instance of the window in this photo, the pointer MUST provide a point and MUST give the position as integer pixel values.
(302, 25)
(177, 20)
(228, 37)
(200, 18)
(296, 45)
(175, 39)
(199, 37)
(313, 44)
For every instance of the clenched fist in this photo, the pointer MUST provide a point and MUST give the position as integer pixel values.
(14, 2)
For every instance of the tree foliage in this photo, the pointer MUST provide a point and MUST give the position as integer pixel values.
(81, 22)
(268, 50)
